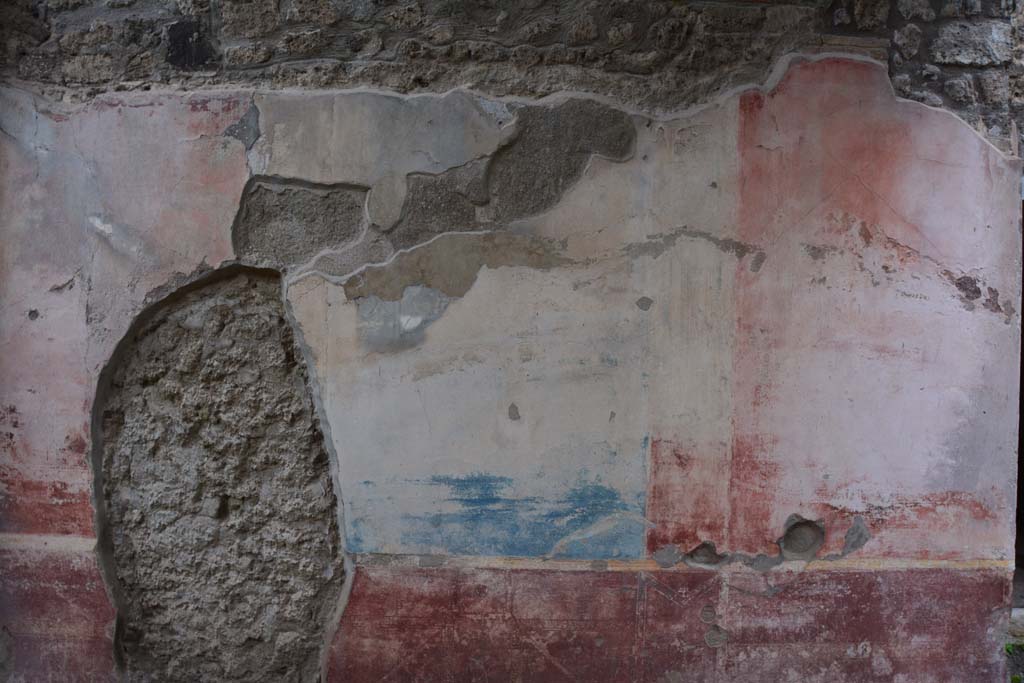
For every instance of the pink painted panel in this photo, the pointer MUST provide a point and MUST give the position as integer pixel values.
(873, 346)
(32, 505)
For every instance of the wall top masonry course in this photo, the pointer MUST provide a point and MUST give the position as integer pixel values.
(655, 55)
(987, 43)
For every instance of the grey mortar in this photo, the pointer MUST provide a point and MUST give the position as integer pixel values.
(282, 223)
(551, 148)
(544, 157)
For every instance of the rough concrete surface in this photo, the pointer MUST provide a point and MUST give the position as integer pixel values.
(219, 505)
(282, 224)
(450, 201)
(386, 139)
(655, 52)
(552, 147)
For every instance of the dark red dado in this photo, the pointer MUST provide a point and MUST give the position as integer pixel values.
(486, 624)
(56, 622)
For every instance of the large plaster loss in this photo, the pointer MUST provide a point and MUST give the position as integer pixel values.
(220, 516)
(591, 394)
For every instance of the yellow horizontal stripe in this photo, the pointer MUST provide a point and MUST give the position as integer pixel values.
(847, 564)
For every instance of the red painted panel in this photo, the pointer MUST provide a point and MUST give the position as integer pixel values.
(55, 616)
(53, 497)
(43, 507)
(449, 624)
(671, 642)
(686, 504)
(445, 624)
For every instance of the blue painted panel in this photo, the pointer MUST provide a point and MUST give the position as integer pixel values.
(488, 521)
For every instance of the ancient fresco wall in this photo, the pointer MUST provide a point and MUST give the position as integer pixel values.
(717, 394)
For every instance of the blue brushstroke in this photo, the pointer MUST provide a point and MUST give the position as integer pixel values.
(474, 490)
(491, 521)
(354, 541)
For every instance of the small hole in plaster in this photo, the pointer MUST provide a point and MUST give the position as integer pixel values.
(802, 540)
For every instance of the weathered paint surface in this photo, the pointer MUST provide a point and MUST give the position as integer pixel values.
(385, 139)
(100, 206)
(802, 300)
(472, 624)
(81, 252)
(55, 617)
(866, 369)
(766, 311)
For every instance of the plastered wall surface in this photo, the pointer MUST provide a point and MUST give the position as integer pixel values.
(724, 394)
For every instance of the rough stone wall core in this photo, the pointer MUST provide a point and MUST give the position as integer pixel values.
(218, 496)
(655, 54)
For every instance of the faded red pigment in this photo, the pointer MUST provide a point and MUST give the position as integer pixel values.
(43, 507)
(684, 505)
(826, 624)
(56, 621)
(55, 611)
(846, 184)
(34, 506)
